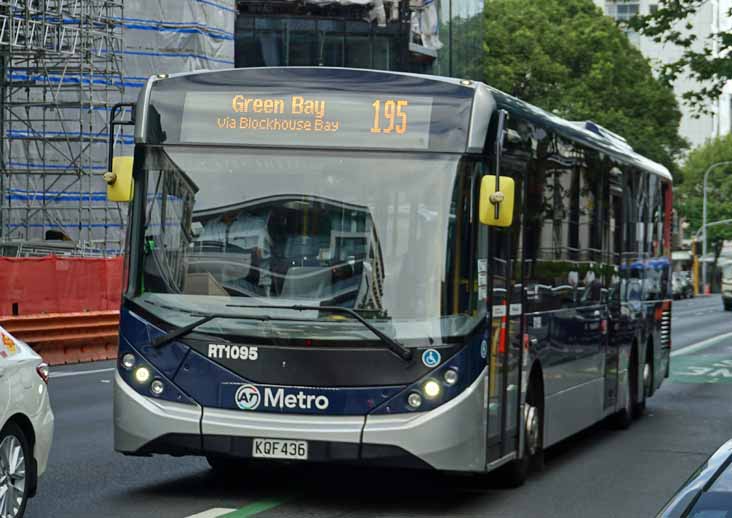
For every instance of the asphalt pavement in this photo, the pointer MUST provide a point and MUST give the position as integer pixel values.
(598, 473)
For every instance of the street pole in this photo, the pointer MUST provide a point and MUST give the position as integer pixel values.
(695, 266)
(704, 224)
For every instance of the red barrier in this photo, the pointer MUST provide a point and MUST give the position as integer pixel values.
(68, 337)
(59, 284)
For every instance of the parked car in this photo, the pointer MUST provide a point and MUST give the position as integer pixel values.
(708, 493)
(26, 424)
(727, 287)
(681, 285)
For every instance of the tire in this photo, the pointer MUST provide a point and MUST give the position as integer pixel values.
(624, 417)
(727, 305)
(647, 379)
(515, 473)
(15, 471)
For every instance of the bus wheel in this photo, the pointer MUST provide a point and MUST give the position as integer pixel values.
(515, 473)
(534, 435)
(623, 419)
(640, 407)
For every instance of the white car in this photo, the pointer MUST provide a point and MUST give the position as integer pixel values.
(26, 424)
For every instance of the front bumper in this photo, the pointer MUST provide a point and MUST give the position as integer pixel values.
(450, 437)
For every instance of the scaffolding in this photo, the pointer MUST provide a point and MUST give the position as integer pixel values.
(61, 71)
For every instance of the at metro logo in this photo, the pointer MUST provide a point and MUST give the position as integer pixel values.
(247, 398)
(301, 401)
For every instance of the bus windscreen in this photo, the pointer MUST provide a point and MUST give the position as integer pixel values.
(314, 120)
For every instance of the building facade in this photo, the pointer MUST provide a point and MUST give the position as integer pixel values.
(441, 37)
(711, 18)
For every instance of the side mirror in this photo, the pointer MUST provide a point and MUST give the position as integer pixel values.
(119, 179)
(196, 229)
(496, 201)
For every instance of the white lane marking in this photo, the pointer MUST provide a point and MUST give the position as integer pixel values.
(78, 373)
(212, 513)
(700, 345)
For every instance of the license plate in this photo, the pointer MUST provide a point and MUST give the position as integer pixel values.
(280, 449)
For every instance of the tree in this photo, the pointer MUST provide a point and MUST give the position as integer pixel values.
(711, 67)
(689, 194)
(567, 57)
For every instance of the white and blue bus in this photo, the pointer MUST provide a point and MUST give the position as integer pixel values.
(352, 266)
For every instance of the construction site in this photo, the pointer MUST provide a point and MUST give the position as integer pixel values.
(63, 65)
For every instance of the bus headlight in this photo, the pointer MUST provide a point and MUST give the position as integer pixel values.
(128, 361)
(157, 387)
(450, 377)
(142, 374)
(432, 389)
(414, 400)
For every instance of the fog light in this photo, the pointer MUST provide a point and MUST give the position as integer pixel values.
(432, 389)
(157, 387)
(128, 361)
(142, 374)
(451, 377)
(414, 400)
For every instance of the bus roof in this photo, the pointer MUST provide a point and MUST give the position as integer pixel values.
(587, 133)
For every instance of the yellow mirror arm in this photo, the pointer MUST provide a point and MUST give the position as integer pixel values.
(496, 198)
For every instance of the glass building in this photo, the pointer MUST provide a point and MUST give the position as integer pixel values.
(442, 37)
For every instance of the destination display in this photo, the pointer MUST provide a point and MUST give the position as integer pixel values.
(318, 120)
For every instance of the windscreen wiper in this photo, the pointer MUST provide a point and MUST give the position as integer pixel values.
(207, 317)
(403, 352)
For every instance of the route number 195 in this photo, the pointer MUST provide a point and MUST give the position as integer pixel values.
(390, 116)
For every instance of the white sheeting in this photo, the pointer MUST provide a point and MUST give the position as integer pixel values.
(425, 20)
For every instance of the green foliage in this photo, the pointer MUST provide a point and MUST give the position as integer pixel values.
(689, 194)
(672, 24)
(567, 57)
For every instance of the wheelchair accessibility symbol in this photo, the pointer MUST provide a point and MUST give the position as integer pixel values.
(431, 358)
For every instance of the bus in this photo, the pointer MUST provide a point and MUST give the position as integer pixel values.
(378, 268)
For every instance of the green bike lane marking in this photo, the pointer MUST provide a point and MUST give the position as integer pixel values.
(247, 511)
(702, 368)
(255, 508)
(687, 366)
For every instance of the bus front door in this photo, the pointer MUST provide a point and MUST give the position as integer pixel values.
(505, 347)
